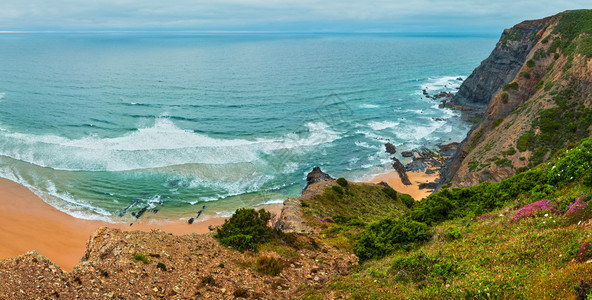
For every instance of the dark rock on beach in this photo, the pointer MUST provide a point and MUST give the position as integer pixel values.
(401, 170)
(407, 154)
(428, 185)
(390, 148)
(316, 175)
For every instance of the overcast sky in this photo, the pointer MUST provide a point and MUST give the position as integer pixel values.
(488, 16)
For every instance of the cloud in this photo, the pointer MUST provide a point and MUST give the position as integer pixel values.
(295, 15)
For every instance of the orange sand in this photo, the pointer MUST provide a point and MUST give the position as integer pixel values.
(28, 223)
(416, 178)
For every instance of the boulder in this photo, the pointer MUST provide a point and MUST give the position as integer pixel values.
(407, 154)
(390, 148)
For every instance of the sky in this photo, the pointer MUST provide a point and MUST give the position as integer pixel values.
(429, 16)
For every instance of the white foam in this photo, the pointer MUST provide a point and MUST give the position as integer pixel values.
(2, 95)
(444, 83)
(161, 145)
(382, 125)
(366, 105)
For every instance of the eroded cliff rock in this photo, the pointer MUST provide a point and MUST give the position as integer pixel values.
(538, 85)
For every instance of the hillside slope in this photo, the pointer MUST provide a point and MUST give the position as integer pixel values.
(539, 83)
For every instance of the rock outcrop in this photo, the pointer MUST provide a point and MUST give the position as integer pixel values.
(316, 175)
(501, 66)
(536, 84)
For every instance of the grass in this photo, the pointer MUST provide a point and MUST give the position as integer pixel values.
(140, 257)
(486, 243)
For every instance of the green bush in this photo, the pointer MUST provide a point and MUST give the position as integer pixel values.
(505, 97)
(342, 182)
(497, 122)
(407, 200)
(419, 268)
(389, 191)
(452, 234)
(474, 201)
(141, 257)
(525, 75)
(572, 164)
(161, 266)
(530, 63)
(268, 265)
(524, 141)
(512, 85)
(539, 85)
(337, 189)
(245, 229)
(388, 235)
(549, 86)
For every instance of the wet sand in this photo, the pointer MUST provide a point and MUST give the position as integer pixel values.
(28, 223)
(416, 178)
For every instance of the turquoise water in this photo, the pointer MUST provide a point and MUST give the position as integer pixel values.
(92, 122)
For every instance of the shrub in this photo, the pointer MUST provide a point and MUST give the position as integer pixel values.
(407, 200)
(389, 191)
(388, 235)
(549, 86)
(539, 85)
(505, 97)
(572, 164)
(585, 252)
(161, 266)
(525, 75)
(524, 141)
(512, 85)
(420, 268)
(452, 234)
(497, 122)
(530, 63)
(268, 265)
(141, 257)
(342, 182)
(337, 189)
(533, 209)
(208, 280)
(245, 229)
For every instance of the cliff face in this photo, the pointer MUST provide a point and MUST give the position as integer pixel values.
(501, 66)
(537, 84)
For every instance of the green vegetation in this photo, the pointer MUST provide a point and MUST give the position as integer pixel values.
(525, 75)
(161, 266)
(366, 202)
(388, 235)
(571, 26)
(245, 229)
(342, 182)
(540, 85)
(524, 141)
(505, 97)
(208, 280)
(268, 265)
(497, 122)
(510, 152)
(512, 85)
(140, 257)
(515, 239)
(514, 35)
(530, 63)
(549, 86)
(575, 118)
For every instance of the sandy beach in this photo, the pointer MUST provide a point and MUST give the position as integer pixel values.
(28, 223)
(416, 178)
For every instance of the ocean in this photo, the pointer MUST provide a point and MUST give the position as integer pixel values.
(95, 122)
